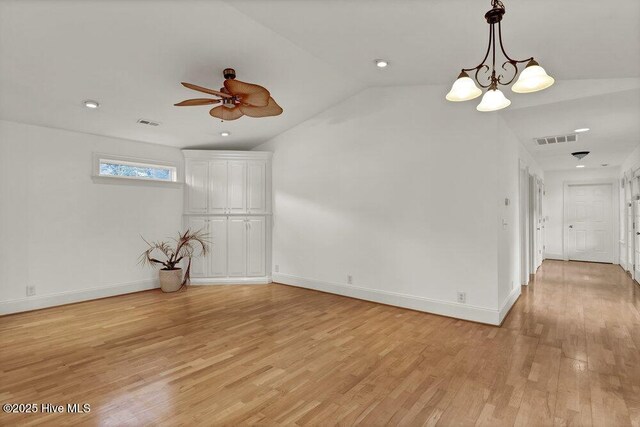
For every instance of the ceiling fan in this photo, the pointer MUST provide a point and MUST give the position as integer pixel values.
(238, 99)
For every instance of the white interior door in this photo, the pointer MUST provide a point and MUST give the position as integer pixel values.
(540, 227)
(237, 186)
(237, 246)
(218, 186)
(197, 180)
(218, 246)
(630, 237)
(256, 235)
(199, 265)
(636, 240)
(590, 223)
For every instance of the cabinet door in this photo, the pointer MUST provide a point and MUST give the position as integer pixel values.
(256, 236)
(256, 186)
(237, 186)
(197, 186)
(217, 247)
(218, 183)
(237, 246)
(199, 265)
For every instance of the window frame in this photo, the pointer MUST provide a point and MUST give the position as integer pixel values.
(99, 158)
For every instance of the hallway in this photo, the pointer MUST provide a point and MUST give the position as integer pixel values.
(568, 354)
(584, 320)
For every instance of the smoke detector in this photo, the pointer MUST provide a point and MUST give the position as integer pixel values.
(580, 154)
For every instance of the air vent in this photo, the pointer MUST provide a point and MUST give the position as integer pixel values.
(558, 139)
(148, 122)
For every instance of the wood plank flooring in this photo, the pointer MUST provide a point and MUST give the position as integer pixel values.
(568, 354)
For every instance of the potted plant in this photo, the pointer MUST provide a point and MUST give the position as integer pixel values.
(188, 245)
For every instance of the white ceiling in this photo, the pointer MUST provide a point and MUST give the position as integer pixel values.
(311, 54)
(132, 55)
(614, 120)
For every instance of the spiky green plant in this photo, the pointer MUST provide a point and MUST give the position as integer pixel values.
(188, 245)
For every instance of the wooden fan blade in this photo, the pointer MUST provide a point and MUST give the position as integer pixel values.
(197, 101)
(272, 109)
(205, 90)
(248, 93)
(225, 113)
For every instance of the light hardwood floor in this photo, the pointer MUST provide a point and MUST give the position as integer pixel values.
(568, 354)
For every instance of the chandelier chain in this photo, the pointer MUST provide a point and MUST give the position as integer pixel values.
(493, 78)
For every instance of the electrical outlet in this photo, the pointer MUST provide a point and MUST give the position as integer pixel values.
(462, 297)
(349, 279)
(277, 268)
(31, 290)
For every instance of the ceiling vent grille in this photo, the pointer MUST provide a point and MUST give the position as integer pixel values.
(148, 122)
(558, 139)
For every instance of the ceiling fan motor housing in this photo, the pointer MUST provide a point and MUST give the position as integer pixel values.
(229, 73)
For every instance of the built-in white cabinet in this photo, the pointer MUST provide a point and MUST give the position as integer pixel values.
(199, 265)
(216, 185)
(222, 187)
(228, 195)
(256, 246)
(217, 231)
(197, 186)
(256, 187)
(237, 246)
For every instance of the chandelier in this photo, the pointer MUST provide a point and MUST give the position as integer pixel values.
(532, 79)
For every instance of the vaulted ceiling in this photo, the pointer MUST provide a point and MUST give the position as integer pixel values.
(311, 54)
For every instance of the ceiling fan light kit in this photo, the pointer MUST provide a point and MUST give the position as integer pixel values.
(237, 99)
(532, 79)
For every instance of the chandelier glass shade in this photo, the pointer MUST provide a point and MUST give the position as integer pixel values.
(532, 79)
(463, 89)
(493, 100)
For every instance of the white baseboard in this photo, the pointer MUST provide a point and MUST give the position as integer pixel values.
(508, 302)
(551, 255)
(444, 308)
(51, 300)
(231, 280)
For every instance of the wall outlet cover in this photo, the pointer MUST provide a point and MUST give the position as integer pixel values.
(462, 297)
(349, 279)
(277, 268)
(31, 290)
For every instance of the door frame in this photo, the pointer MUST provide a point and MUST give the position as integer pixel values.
(615, 230)
(523, 211)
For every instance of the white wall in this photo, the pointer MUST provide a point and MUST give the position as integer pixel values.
(553, 205)
(403, 191)
(508, 220)
(70, 237)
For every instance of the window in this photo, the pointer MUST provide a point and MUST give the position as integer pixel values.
(116, 167)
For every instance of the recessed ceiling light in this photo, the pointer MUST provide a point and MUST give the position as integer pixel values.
(91, 104)
(581, 130)
(225, 133)
(579, 166)
(381, 63)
